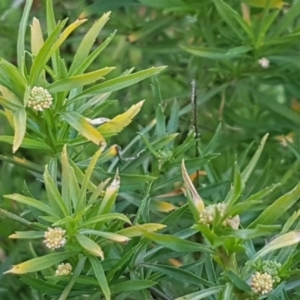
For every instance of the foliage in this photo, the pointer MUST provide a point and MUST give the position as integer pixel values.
(166, 198)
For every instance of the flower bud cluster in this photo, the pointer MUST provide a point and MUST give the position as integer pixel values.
(54, 238)
(263, 282)
(210, 212)
(39, 99)
(63, 269)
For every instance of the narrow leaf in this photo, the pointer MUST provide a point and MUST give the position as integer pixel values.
(79, 123)
(100, 275)
(40, 263)
(278, 207)
(90, 245)
(20, 128)
(32, 202)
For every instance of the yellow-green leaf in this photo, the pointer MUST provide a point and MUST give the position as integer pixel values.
(138, 230)
(162, 206)
(90, 245)
(32, 202)
(37, 40)
(27, 235)
(87, 42)
(20, 128)
(266, 3)
(285, 240)
(110, 195)
(40, 263)
(108, 235)
(79, 123)
(72, 82)
(118, 123)
(196, 203)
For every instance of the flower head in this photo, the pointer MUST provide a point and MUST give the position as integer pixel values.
(261, 283)
(63, 269)
(39, 99)
(54, 238)
(264, 62)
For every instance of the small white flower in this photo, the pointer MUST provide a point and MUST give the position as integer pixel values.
(54, 238)
(39, 99)
(63, 269)
(264, 62)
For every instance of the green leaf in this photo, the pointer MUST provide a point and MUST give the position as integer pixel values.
(86, 180)
(241, 207)
(10, 104)
(21, 36)
(87, 43)
(41, 285)
(174, 117)
(44, 54)
(32, 202)
(287, 20)
(50, 46)
(234, 20)
(118, 83)
(174, 243)
(54, 197)
(263, 193)
(89, 245)
(277, 208)
(40, 263)
(285, 240)
(72, 82)
(195, 202)
(27, 235)
(198, 161)
(65, 180)
(138, 230)
(105, 218)
(213, 144)
(51, 25)
(79, 176)
(100, 275)
(178, 274)
(108, 235)
(237, 281)
(215, 53)
(266, 3)
(203, 294)
(79, 123)
(131, 285)
(110, 196)
(74, 277)
(12, 79)
(258, 231)
(250, 167)
(27, 143)
(90, 59)
(237, 188)
(118, 269)
(37, 39)
(20, 128)
(121, 121)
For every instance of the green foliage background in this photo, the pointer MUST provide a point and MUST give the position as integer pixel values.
(208, 41)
